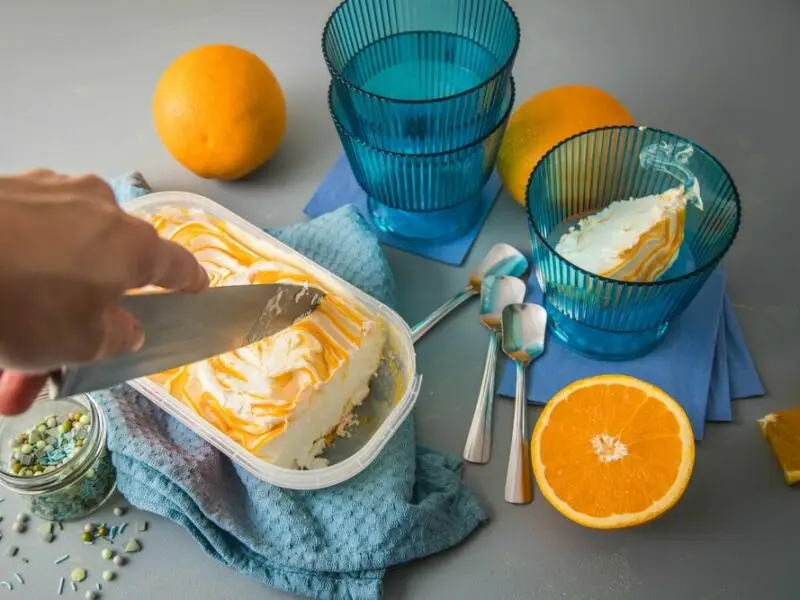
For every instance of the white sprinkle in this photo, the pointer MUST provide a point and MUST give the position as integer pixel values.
(19, 578)
(74, 587)
(60, 586)
(98, 586)
(7, 585)
(58, 561)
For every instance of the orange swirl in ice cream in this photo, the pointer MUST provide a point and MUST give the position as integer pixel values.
(278, 397)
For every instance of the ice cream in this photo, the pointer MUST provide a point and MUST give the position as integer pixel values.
(630, 240)
(281, 398)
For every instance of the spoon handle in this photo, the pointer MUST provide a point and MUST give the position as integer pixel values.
(518, 477)
(478, 448)
(440, 313)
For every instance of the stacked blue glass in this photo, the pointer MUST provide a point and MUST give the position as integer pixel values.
(420, 94)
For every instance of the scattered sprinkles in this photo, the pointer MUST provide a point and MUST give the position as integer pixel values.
(91, 595)
(141, 526)
(19, 527)
(19, 578)
(61, 559)
(109, 575)
(78, 575)
(98, 586)
(119, 560)
(7, 585)
(107, 553)
(60, 586)
(122, 528)
(48, 537)
(74, 587)
(46, 528)
(119, 510)
(133, 546)
(12, 551)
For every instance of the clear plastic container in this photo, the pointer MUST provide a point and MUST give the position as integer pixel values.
(393, 390)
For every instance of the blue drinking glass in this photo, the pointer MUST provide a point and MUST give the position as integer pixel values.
(610, 319)
(422, 196)
(421, 76)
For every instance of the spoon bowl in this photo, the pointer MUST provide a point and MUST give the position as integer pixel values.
(497, 292)
(524, 327)
(501, 260)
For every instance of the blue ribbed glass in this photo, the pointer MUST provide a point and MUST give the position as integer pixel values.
(421, 76)
(443, 189)
(606, 318)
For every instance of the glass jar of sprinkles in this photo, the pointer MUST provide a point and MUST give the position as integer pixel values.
(54, 457)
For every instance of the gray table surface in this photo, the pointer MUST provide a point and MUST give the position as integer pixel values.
(77, 79)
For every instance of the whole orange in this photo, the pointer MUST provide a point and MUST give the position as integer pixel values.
(219, 111)
(546, 119)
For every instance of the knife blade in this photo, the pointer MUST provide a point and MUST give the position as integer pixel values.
(183, 328)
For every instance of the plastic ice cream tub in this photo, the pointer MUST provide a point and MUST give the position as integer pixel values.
(393, 389)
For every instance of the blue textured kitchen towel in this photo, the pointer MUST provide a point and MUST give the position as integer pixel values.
(703, 363)
(340, 187)
(334, 543)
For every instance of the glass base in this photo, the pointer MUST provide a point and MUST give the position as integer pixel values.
(601, 344)
(438, 225)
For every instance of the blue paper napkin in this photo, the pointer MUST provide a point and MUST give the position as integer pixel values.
(703, 362)
(340, 188)
(332, 544)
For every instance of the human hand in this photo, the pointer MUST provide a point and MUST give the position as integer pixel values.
(68, 253)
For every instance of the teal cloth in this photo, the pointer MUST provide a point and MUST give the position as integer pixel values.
(329, 544)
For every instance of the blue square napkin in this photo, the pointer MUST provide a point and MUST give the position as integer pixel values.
(332, 544)
(340, 187)
(703, 362)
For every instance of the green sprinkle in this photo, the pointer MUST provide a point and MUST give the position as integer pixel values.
(41, 444)
(66, 426)
(141, 526)
(84, 419)
(107, 553)
(109, 575)
(46, 528)
(78, 575)
(133, 546)
(102, 531)
(26, 448)
(87, 537)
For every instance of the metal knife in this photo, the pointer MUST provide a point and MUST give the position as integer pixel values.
(182, 328)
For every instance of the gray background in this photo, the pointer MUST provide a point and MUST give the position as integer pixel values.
(77, 79)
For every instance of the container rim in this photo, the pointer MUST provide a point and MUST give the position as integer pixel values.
(485, 83)
(323, 477)
(350, 135)
(707, 266)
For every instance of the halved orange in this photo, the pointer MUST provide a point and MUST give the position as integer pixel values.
(612, 451)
